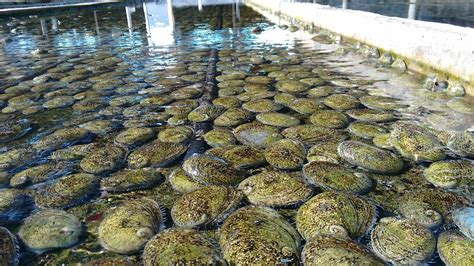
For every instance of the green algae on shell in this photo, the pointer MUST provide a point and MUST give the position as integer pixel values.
(181, 246)
(261, 106)
(205, 113)
(382, 141)
(311, 134)
(370, 115)
(381, 102)
(277, 119)
(61, 138)
(156, 154)
(219, 138)
(329, 119)
(333, 250)
(416, 143)
(259, 79)
(67, 191)
(255, 95)
(430, 207)
(258, 235)
(305, 106)
(130, 179)
(227, 102)
(257, 134)
(335, 213)
(127, 228)
(181, 182)
(324, 151)
(103, 160)
(401, 241)
(175, 134)
(12, 130)
(292, 86)
(450, 174)
(462, 144)
(455, 249)
(50, 229)
(244, 156)
(205, 206)
(366, 130)
(284, 98)
(370, 157)
(134, 136)
(15, 205)
(8, 248)
(320, 92)
(286, 154)
(232, 117)
(210, 170)
(333, 176)
(75, 152)
(341, 102)
(275, 189)
(40, 173)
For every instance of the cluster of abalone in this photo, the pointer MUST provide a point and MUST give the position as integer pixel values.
(290, 161)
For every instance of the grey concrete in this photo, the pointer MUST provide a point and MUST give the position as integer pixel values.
(427, 46)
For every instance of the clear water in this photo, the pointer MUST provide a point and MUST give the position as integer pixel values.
(151, 50)
(455, 12)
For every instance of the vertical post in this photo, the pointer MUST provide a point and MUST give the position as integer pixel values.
(96, 22)
(412, 9)
(200, 5)
(237, 9)
(170, 14)
(147, 22)
(128, 12)
(54, 24)
(44, 27)
(344, 4)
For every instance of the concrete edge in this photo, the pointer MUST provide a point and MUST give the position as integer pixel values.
(426, 47)
(28, 9)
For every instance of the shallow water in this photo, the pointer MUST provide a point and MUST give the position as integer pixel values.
(100, 69)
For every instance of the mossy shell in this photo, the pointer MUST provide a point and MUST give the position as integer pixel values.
(134, 136)
(205, 113)
(130, 179)
(12, 130)
(370, 115)
(463, 218)
(305, 106)
(324, 151)
(205, 206)
(366, 130)
(8, 248)
(333, 176)
(370, 157)
(261, 106)
(329, 119)
(341, 102)
(127, 228)
(244, 156)
(257, 134)
(61, 138)
(278, 119)
(175, 134)
(401, 241)
(335, 213)
(156, 154)
(40, 173)
(381, 102)
(462, 144)
(49, 229)
(455, 249)
(258, 235)
(292, 86)
(232, 117)
(286, 154)
(275, 189)
(220, 138)
(103, 160)
(181, 246)
(450, 174)
(210, 170)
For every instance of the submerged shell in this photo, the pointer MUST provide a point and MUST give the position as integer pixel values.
(381, 102)
(324, 151)
(180, 246)
(74, 152)
(416, 143)
(61, 138)
(286, 154)
(329, 118)
(40, 173)
(370, 157)
(455, 249)
(205, 113)
(134, 136)
(402, 241)
(219, 138)
(13, 130)
(278, 119)
(210, 170)
(366, 130)
(275, 189)
(131, 179)
(370, 115)
(103, 160)
(292, 86)
(175, 134)
(181, 182)
(430, 207)
(258, 236)
(244, 156)
(327, 175)
(68, 191)
(15, 205)
(311, 134)
(232, 117)
(257, 134)
(208, 205)
(450, 174)
(305, 106)
(341, 102)
(49, 229)
(261, 106)
(332, 250)
(8, 248)
(464, 219)
(337, 214)
(382, 141)
(128, 227)
(156, 154)
(462, 143)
